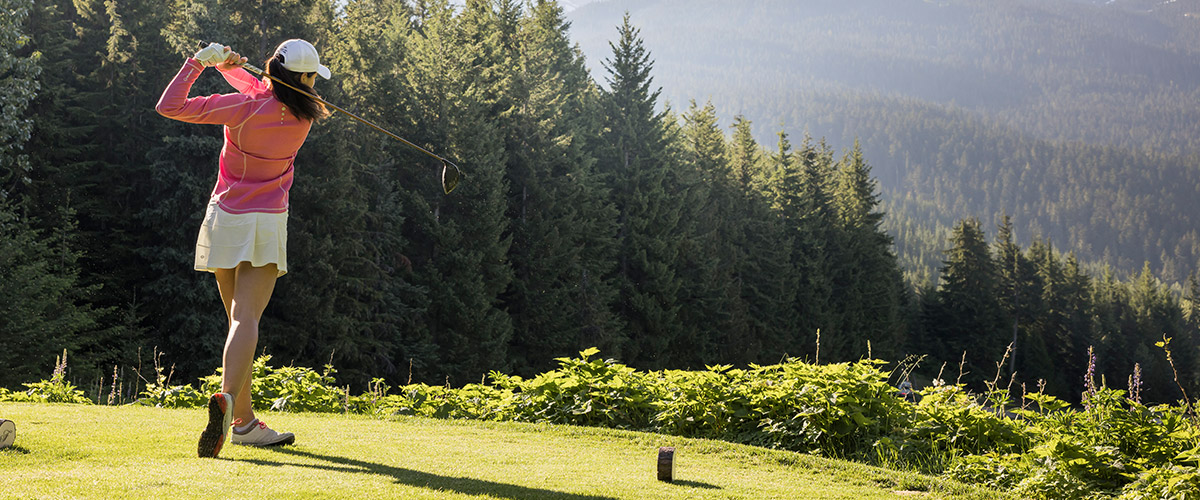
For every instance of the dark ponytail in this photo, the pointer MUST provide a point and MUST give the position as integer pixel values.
(304, 107)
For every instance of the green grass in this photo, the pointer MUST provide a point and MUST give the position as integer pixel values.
(79, 451)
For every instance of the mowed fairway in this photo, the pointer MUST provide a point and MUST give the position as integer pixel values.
(75, 451)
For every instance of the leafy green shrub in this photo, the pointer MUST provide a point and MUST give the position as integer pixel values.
(474, 401)
(1114, 445)
(1000, 471)
(161, 394)
(55, 390)
(949, 421)
(705, 404)
(582, 391)
(288, 388)
(171, 396)
(1051, 479)
(7, 396)
(1116, 438)
(369, 403)
(835, 410)
(1174, 482)
(297, 389)
(1044, 449)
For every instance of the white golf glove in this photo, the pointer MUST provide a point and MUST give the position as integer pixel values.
(212, 55)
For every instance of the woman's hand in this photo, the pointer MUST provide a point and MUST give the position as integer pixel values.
(232, 60)
(211, 55)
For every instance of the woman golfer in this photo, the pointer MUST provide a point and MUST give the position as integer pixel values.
(243, 239)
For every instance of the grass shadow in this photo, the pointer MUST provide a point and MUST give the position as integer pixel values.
(695, 484)
(420, 479)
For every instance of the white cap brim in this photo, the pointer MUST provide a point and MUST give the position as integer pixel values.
(324, 72)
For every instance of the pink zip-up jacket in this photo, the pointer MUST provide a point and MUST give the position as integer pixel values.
(261, 138)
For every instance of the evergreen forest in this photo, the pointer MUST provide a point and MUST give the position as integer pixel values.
(1080, 118)
(593, 214)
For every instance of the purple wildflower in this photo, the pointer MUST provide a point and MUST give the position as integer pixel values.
(1089, 380)
(1135, 383)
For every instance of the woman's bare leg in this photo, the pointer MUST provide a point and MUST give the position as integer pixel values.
(245, 291)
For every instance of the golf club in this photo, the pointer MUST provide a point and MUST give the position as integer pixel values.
(451, 174)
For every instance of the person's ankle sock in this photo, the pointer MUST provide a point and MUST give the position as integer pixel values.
(243, 428)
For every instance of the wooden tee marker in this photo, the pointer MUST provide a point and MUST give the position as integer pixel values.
(666, 463)
(8, 433)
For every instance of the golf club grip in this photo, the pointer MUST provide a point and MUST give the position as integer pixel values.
(256, 70)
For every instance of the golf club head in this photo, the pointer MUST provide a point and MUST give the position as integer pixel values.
(450, 176)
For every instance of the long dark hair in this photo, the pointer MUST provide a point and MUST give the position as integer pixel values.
(304, 107)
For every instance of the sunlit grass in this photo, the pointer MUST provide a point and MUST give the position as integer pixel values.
(76, 451)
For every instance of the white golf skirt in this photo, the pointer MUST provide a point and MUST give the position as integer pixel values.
(227, 240)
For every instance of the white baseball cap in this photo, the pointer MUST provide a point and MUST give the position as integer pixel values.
(301, 57)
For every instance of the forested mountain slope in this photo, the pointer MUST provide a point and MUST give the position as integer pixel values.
(1079, 119)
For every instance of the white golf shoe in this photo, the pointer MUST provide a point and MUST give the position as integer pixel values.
(260, 435)
(220, 414)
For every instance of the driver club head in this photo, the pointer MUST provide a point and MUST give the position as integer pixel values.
(450, 176)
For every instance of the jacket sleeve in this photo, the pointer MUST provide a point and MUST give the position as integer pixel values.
(214, 109)
(243, 81)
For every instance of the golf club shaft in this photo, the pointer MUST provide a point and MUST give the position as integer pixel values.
(254, 69)
(451, 174)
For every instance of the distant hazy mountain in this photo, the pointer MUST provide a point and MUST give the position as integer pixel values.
(1010, 58)
(910, 78)
(1134, 5)
(570, 5)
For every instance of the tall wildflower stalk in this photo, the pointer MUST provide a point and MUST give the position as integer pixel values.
(1166, 347)
(1135, 384)
(1089, 379)
(60, 368)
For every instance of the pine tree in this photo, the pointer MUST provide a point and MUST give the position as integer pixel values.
(1050, 324)
(42, 305)
(744, 156)
(1076, 290)
(458, 243)
(100, 95)
(632, 161)
(781, 187)
(707, 256)
(17, 89)
(763, 259)
(1191, 302)
(794, 200)
(809, 210)
(43, 311)
(59, 153)
(1114, 346)
(1156, 314)
(867, 283)
(780, 173)
(1019, 289)
(966, 316)
(561, 298)
(1191, 315)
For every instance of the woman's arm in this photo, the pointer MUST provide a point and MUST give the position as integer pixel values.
(242, 80)
(215, 109)
(239, 78)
